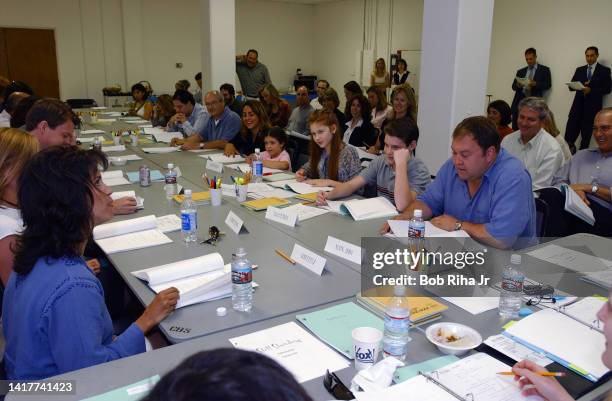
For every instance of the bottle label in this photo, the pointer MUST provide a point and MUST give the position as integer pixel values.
(258, 168)
(397, 324)
(416, 229)
(242, 276)
(512, 281)
(189, 221)
(170, 179)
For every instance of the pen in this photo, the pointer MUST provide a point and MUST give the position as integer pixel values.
(551, 374)
(284, 256)
(233, 179)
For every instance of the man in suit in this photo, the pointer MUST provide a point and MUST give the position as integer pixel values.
(537, 82)
(587, 102)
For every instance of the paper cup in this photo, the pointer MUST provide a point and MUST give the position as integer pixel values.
(215, 197)
(93, 119)
(134, 140)
(241, 192)
(366, 345)
(117, 140)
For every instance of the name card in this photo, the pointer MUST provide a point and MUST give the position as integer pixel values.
(235, 223)
(283, 216)
(308, 259)
(343, 249)
(214, 166)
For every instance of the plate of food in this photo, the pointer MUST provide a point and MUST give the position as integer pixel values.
(453, 338)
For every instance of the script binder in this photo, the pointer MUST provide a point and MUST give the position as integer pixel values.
(363, 209)
(127, 235)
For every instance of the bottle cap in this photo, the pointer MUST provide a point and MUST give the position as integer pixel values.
(257, 150)
(515, 259)
(221, 311)
(418, 213)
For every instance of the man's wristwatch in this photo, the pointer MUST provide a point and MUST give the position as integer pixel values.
(458, 225)
(594, 189)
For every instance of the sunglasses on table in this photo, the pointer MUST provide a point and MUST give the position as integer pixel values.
(335, 387)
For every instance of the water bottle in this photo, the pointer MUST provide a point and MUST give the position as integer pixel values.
(397, 325)
(511, 297)
(257, 167)
(242, 277)
(97, 145)
(170, 179)
(416, 234)
(189, 219)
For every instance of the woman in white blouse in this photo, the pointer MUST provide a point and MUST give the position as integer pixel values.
(16, 148)
(380, 75)
(379, 104)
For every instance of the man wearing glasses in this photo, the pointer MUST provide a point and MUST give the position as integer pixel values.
(317, 103)
(220, 128)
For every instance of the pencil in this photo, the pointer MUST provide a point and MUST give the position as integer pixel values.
(284, 256)
(552, 374)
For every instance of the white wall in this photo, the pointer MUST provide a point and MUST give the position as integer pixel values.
(560, 32)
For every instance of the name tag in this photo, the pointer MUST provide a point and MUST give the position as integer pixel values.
(343, 249)
(235, 223)
(214, 166)
(282, 216)
(308, 259)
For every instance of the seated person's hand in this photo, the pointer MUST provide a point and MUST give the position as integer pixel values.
(318, 182)
(230, 150)
(180, 118)
(373, 150)
(94, 266)
(533, 384)
(586, 90)
(161, 306)
(581, 190)
(300, 175)
(176, 142)
(190, 146)
(401, 157)
(445, 222)
(384, 228)
(125, 205)
(321, 199)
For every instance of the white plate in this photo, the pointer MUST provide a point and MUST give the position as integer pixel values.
(468, 338)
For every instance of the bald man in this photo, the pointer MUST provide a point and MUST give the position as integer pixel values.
(298, 121)
(220, 128)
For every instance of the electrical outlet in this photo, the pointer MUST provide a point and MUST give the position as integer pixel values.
(179, 65)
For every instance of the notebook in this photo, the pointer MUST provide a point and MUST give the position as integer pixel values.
(334, 325)
(312, 197)
(575, 205)
(166, 137)
(128, 235)
(114, 178)
(364, 209)
(306, 212)
(472, 378)
(562, 339)
(263, 203)
(199, 279)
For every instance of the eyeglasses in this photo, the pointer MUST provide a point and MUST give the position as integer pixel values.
(214, 234)
(334, 385)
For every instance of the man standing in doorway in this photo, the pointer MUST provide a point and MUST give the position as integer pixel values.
(536, 80)
(252, 74)
(588, 101)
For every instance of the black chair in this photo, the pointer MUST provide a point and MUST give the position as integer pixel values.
(542, 214)
(81, 103)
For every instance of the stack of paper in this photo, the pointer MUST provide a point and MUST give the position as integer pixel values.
(137, 122)
(306, 212)
(124, 157)
(303, 188)
(166, 137)
(585, 311)
(220, 158)
(363, 209)
(576, 206)
(130, 194)
(114, 178)
(278, 177)
(130, 234)
(562, 339)
(115, 148)
(263, 203)
(162, 149)
(92, 131)
(200, 279)
(295, 349)
(422, 309)
(575, 85)
(272, 193)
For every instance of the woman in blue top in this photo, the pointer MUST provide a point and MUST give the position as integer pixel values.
(53, 313)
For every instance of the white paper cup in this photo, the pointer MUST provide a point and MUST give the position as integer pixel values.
(117, 140)
(366, 345)
(93, 119)
(215, 197)
(241, 192)
(134, 140)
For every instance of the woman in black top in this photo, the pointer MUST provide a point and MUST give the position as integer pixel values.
(255, 125)
(359, 129)
(401, 73)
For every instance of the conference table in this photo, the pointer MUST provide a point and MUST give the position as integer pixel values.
(284, 290)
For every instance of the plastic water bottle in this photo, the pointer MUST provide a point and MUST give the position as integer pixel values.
(97, 145)
(397, 325)
(242, 286)
(511, 297)
(416, 230)
(189, 219)
(170, 179)
(257, 167)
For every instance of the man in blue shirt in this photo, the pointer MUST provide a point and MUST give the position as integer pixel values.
(482, 190)
(190, 117)
(221, 127)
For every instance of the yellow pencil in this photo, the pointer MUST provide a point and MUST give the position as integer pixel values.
(552, 374)
(284, 256)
